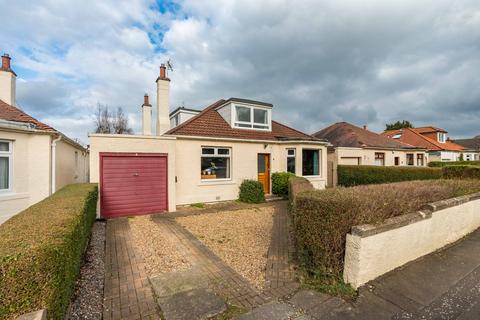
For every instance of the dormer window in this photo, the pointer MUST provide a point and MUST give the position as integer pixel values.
(397, 136)
(251, 118)
(442, 137)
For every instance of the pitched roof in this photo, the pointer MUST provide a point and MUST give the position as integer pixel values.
(11, 113)
(344, 134)
(428, 129)
(209, 123)
(415, 138)
(471, 144)
(183, 109)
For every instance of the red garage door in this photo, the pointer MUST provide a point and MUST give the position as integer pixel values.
(133, 184)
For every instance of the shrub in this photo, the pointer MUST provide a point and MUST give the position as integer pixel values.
(359, 175)
(297, 185)
(41, 252)
(280, 183)
(461, 172)
(453, 163)
(251, 191)
(322, 218)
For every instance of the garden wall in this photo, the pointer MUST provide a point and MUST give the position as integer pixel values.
(372, 250)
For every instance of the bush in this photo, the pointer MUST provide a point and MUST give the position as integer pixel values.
(359, 175)
(461, 172)
(322, 218)
(453, 163)
(251, 191)
(280, 183)
(41, 252)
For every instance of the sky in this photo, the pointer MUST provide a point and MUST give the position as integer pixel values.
(367, 62)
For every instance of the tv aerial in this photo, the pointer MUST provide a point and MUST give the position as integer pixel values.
(169, 65)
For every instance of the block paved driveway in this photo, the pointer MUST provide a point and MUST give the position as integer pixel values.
(443, 285)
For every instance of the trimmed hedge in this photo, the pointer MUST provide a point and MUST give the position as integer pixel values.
(297, 185)
(251, 191)
(280, 183)
(41, 252)
(453, 163)
(461, 172)
(350, 175)
(322, 218)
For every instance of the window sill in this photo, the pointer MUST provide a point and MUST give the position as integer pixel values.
(216, 182)
(9, 195)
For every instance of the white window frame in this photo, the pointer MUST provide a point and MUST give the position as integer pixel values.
(441, 137)
(8, 154)
(215, 154)
(294, 156)
(249, 125)
(320, 164)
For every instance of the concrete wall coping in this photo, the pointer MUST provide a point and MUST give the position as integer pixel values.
(366, 230)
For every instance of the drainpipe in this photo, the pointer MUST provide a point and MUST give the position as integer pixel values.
(54, 154)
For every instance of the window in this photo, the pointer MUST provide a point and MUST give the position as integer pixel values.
(215, 163)
(419, 159)
(410, 159)
(310, 162)
(379, 158)
(442, 137)
(252, 118)
(5, 165)
(397, 136)
(291, 160)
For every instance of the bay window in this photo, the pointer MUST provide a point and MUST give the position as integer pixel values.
(5, 165)
(215, 163)
(310, 162)
(291, 160)
(251, 118)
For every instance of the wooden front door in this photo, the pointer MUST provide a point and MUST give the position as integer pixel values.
(264, 171)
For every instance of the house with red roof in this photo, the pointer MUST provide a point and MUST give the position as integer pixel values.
(35, 159)
(353, 145)
(199, 156)
(434, 139)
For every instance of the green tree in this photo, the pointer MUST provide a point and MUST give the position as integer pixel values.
(399, 125)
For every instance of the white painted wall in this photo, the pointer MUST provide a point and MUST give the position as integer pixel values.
(367, 156)
(70, 168)
(368, 257)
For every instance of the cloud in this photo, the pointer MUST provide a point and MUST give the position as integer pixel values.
(368, 62)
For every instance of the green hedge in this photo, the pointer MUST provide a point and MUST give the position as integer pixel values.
(251, 191)
(41, 252)
(461, 172)
(280, 183)
(359, 175)
(322, 218)
(453, 163)
(297, 185)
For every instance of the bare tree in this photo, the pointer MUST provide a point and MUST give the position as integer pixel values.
(108, 122)
(120, 123)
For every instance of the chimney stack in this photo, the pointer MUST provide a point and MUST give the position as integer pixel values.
(8, 81)
(146, 116)
(163, 101)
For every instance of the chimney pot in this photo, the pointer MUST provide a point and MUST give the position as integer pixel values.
(146, 100)
(163, 71)
(6, 62)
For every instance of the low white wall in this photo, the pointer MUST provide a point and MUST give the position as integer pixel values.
(373, 250)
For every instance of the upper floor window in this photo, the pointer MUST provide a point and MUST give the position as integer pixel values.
(442, 137)
(252, 118)
(6, 155)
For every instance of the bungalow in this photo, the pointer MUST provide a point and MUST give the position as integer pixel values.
(433, 139)
(202, 159)
(472, 148)
(353, 145)
(35, 159)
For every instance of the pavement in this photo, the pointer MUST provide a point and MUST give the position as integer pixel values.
(442, 285)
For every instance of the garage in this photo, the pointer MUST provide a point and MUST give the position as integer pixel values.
(353, 161)
(133, 183)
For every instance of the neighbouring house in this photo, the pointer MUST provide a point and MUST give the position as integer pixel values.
(35, 159)
(354, 145)
(472, 148)
(433, 139)
(202, 159)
